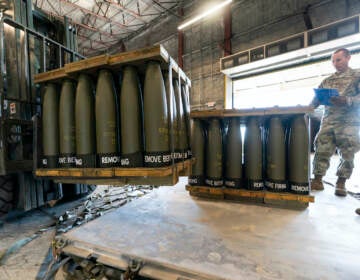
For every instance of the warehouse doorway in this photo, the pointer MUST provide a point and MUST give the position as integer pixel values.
(285, 87)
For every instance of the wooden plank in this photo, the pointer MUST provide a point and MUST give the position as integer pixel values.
(115, 171)
(137, 58)
(46, 172)
(288, 110)
(98, 172)
(207, 114)
(251, 112)
(52, 75)
(87, 64)
(110, 181)
(206, 190)
(244, 193)
(289, 196)
(143, 171)
(156, 52)
(157, 181)
(70, 172)
(289, 204)
(207, 195)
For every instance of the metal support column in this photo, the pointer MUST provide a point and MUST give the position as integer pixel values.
(227, 31)
(181, 42)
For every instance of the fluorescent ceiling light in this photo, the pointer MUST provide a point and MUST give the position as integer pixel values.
(204, 14)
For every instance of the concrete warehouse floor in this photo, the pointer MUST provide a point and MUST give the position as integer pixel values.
(320, 242)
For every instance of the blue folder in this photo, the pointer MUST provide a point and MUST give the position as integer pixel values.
(324, 95)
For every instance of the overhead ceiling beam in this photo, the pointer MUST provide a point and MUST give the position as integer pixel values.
(133, 25)
(166, 10)
(52, 6)
(128, 26)
(146, 26)
(105, 44)
(126, 10)
(61, 18)
(87, 11)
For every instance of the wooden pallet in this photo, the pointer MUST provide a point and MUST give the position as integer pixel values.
(115, 62)
(287, 200)
(53, 76)
(226, 113)
(168, 175)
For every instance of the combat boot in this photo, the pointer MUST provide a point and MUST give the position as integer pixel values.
(340, 189)
(316, 183)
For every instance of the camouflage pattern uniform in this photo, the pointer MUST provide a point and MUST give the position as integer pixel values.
(339, 125)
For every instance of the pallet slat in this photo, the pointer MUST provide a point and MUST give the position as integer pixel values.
(236, 194)
(251, 112)
(142, 55)
(86, 64)
(115, 171)
(53, 75)
(113, 62)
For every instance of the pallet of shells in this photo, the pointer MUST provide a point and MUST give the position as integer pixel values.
(258, 157)
(119, 116)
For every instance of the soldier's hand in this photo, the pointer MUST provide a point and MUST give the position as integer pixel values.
(338, 100)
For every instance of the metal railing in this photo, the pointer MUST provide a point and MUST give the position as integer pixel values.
(22, 93)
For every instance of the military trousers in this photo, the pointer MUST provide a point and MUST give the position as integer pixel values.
(341, 137)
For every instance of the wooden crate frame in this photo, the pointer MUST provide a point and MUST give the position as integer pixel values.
(275, 198)
(282, 199)
(117, 175)
(137, 58)
(114, 62)
(228, 113)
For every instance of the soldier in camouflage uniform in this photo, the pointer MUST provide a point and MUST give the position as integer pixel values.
(339, 127)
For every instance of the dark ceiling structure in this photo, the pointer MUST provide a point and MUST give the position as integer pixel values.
(100, 24)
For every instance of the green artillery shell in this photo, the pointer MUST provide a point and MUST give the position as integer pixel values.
(156, 119)
(233, 155)
(131, 117)
(299, 156)
(214, 154)
(84, 123)
(253, 155)
(50, 126)
(105, 114)
(275, 156)
(196, 177)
